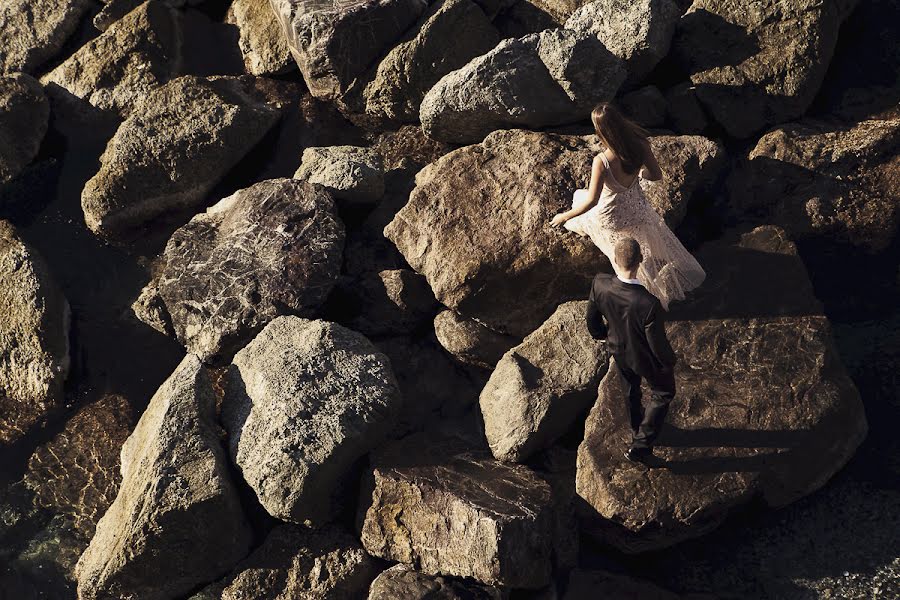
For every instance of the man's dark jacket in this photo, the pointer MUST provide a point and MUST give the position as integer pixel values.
(635, 325)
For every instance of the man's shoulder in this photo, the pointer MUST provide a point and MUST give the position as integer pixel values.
(603, 278)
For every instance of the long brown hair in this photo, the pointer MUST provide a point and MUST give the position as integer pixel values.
(622, 135)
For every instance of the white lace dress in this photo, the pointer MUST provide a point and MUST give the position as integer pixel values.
(668, 271)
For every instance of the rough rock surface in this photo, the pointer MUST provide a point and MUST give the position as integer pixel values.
(132, 58)
(77, 472)
(34, 31)
(262, 41)
(354, 175)
(764, 408)
(825, 180)
(34, 338)
(639, 32)
(271, 249)
(336, 44)
(24, 114)
(685, 113)
(460, 514)
(113, 10)
(469, 341)
(304, 401)
(549, 78)
(390, 302)
(177, 144)
(758, 64)
(645, 106)
(402, 582)
(296, 562)
(453, 33)
(542, 385)
(477, 226)
(176, 500)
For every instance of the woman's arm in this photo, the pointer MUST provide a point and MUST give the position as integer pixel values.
(597, 172)
(651, 170)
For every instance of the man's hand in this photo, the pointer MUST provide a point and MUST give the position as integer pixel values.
(559, 219)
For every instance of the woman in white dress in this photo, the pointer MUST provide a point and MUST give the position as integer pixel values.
(614, 206)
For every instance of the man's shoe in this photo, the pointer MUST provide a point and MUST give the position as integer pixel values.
(639, 455)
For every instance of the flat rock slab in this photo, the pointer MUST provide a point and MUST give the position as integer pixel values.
(34, 338)
(24, 115)
(764, 408)
(262, 42)
(305, 400)
(354, 175)
(402, 582)
(177, 143)
(462, 514)
(177, 499)
(542, 385)
(271, 249)
(34, 31)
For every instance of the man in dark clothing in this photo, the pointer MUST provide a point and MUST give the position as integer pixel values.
(631, 320)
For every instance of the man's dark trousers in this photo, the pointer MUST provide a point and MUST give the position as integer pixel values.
(646, 423)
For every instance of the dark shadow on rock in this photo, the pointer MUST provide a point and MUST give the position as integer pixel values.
(725, 44)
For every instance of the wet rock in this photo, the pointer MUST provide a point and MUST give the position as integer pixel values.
(549, 78)
(296, 562)
(271, 249)
(453, 33)
(176, 500)
(754, 68)
(836, 182)
(542, 385)
(354, 175)
(24, 114)
(390, 302)
(77, 472)
(337, 44)
(764, 409)
(603, 584)
(646, 106)
(402, 582)
(34, 338)
(685, 112)
(469, 341)
(637, 32)
(262, 41)
(477, 226)
(459, 514)
(134, 57)
(177, 144)
(304, 400)
(34, 31)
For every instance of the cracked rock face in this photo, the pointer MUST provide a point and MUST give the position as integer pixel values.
(759, 63)
(304, 400)
(24, 115)
(296, 562)
(271, 249)
(403, 582)
(34, 338)
(178, 142)
(354, 175)
(469, 341)
(477, 226)
(825, 181)
(764, 408)
(34, 31)
(549, 78)
(463, 514)
(540, 386)
(262, 41)
(176, 499)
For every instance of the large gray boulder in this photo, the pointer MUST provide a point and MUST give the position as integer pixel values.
(34, 31)
(134, 57)
(177, 143)
(469, 341)
(477, 226)
(24, 114)
(334, 45)
(459, 513)
(296, 562)
(639, 32)
(549, 78)
(764, 409)
(453, 33)
(353, 174)
(825, 181)
(542, 385)
(177, 521)
(34, 338)
(262, 42)
(304, 400)
(402, 582)
(760, 63)
(268, 250)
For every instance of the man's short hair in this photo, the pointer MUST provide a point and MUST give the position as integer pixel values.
(628, 254)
